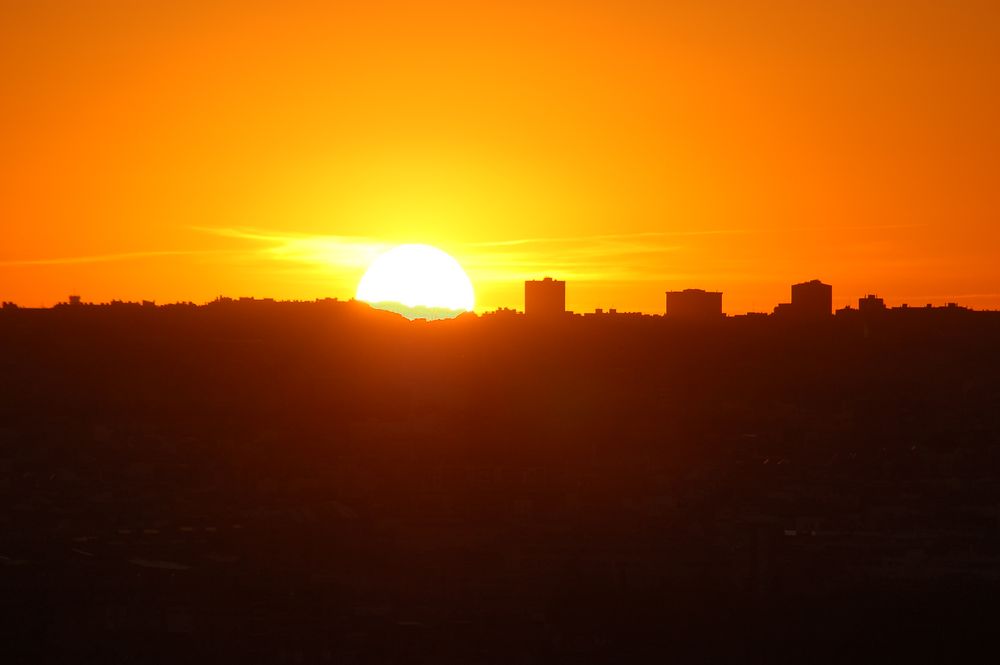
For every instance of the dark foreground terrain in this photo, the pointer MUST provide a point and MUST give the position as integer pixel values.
(300, 483)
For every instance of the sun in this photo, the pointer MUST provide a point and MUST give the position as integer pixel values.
(417, 276)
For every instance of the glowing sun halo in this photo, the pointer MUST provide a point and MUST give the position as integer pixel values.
(417, 275)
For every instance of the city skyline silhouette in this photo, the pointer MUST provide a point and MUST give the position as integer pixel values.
(174, 152)
(258, 479)
(499, 333)
(690, 303)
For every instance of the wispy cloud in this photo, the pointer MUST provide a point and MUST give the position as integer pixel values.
(626, 257)
(104, 258)
(583, 258)
(947, 296)
(607, 256)
(316, 250)
(680, 233)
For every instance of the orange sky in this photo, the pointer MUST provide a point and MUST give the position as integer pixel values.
(182, 150)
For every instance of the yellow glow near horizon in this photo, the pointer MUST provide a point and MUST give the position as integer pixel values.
(417, 275)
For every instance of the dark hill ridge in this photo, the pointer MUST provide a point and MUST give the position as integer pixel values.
(266, 481)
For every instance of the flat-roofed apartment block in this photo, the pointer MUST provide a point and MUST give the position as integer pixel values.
(545, 298)
(694, 305)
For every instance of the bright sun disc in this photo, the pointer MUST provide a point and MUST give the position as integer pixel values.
(417, 276)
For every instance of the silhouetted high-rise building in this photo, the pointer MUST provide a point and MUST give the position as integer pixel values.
(871, 304)
(694, 305)
(812, 299)
(545, 298)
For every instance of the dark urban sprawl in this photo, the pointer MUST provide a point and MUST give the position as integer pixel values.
(268, 482)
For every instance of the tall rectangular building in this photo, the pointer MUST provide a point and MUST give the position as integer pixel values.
(694, 305)
(545, 298)
(812, 299)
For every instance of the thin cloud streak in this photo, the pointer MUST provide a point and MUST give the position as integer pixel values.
(622, 257)
(653, 256)
(683, 233)
(588, 258)
(103, 258)
(318, 251)
(946, 296)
